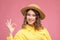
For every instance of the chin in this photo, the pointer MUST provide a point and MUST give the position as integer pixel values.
(30, 23)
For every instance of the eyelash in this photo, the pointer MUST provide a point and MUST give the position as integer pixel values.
(29, 15)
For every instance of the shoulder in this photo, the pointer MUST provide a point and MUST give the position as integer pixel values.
(46, 33)
(44, 30)
(19, 34)
(21, 31)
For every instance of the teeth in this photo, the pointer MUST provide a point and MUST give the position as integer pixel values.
(30, 20)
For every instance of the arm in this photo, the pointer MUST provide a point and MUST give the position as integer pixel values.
(10, 37)
(11, 26)
(19, 36)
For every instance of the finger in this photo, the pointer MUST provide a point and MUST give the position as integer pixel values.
(14, 25)
(10, 21)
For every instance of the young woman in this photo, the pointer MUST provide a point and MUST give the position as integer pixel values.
(32, 28)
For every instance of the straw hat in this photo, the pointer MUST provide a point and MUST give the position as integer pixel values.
(36, 7)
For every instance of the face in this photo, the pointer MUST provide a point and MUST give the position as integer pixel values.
(31, 17)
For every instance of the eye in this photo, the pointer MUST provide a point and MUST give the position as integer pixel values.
(34, 15)
(28, 14)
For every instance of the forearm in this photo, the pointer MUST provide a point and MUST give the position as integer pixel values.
(10, 37)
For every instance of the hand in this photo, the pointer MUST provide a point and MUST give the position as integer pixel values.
(10, 25)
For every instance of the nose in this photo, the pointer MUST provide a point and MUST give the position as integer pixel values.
(31, 16)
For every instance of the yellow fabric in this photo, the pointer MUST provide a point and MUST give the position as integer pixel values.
(29, 33)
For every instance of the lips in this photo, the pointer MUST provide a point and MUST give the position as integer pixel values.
(30, 20)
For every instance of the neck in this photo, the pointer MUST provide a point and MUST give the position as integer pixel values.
(31, 25)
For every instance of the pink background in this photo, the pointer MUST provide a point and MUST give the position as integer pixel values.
(11, 9)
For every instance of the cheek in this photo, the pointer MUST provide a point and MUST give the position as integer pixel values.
(31, 18)
(28, 17)
(34, 17)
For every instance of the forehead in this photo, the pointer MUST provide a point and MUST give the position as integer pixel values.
(31, 12)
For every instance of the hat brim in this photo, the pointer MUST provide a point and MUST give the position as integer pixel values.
(42, 15)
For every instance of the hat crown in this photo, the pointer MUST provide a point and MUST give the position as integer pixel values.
(34, 5)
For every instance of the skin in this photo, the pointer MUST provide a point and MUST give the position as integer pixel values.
(11, 26)
(31, 18)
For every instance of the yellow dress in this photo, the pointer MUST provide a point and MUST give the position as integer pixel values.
(29, 33)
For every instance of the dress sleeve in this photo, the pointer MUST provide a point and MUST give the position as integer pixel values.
(18, 36)
(47, 35)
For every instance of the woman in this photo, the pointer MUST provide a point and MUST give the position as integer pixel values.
(32, 28)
